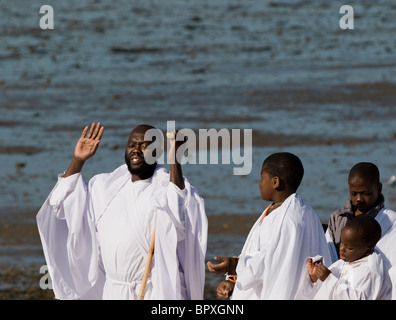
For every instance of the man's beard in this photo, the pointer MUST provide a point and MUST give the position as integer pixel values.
(143, 170)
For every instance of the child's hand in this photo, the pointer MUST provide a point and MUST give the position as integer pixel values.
(312, 270)
(225, 289)
(321, 271)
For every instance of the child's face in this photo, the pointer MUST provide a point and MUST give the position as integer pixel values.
(265, 185)
(363, 194)
(352, 247)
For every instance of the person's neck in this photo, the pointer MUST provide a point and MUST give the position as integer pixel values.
(280, 197)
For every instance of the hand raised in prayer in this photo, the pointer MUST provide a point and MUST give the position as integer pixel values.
(85, 148)
(174, 157)
(88, 143)
(175, 174)
(225, 289)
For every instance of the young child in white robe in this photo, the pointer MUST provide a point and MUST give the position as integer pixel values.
(365, 198)
(271, 261)
(359, 274)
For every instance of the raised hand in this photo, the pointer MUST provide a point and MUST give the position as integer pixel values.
(174, 146)
(85, 148)
(88, 143)
(175, 174)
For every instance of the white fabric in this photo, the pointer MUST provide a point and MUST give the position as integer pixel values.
(96, 237)
(273, 256)
(386, 245)
(363, 279)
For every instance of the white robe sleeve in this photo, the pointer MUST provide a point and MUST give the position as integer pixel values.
(68, 238)
(307, 289)
(275, 268)
(366, 283)
(180, 245)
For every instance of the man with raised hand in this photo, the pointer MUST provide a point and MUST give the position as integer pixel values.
(96, 236)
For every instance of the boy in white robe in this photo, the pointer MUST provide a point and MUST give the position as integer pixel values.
(96, 236)
(359, 274)
(271, 261)
(366, 198)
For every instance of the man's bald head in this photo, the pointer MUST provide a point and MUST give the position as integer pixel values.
(141, 129)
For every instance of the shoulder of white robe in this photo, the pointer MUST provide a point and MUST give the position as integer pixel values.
(387, 219)
(104, 186)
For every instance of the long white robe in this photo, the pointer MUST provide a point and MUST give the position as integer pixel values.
(96, 236)
(363, 279)
(386, 245)
(273, 255)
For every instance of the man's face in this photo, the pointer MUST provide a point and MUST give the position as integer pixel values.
(134, 153)
(363, 193)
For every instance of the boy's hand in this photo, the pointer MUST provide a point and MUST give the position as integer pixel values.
(221, 267)
(321, 271)
(312, 270)
(225, 289)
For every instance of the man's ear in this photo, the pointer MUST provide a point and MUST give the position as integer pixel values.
(379, 188)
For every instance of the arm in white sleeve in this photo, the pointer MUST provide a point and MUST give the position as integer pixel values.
(68, 238)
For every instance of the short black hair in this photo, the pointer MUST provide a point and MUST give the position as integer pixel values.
(365, 170)
(368, 228)
(287, 166)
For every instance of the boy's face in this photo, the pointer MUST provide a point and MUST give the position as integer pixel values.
(352, 247)
(364, 194)
(265, 184)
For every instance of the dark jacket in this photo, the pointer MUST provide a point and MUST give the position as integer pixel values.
(341, 216)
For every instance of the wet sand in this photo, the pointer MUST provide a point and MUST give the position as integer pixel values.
(20, 260)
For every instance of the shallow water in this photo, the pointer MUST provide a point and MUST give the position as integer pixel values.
(284, 69)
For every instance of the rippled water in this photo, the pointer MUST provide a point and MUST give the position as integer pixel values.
(282, 68)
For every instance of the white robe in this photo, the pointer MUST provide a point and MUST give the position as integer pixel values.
(273, 255)
(96, 236)
(386, 245)
(363, 279)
